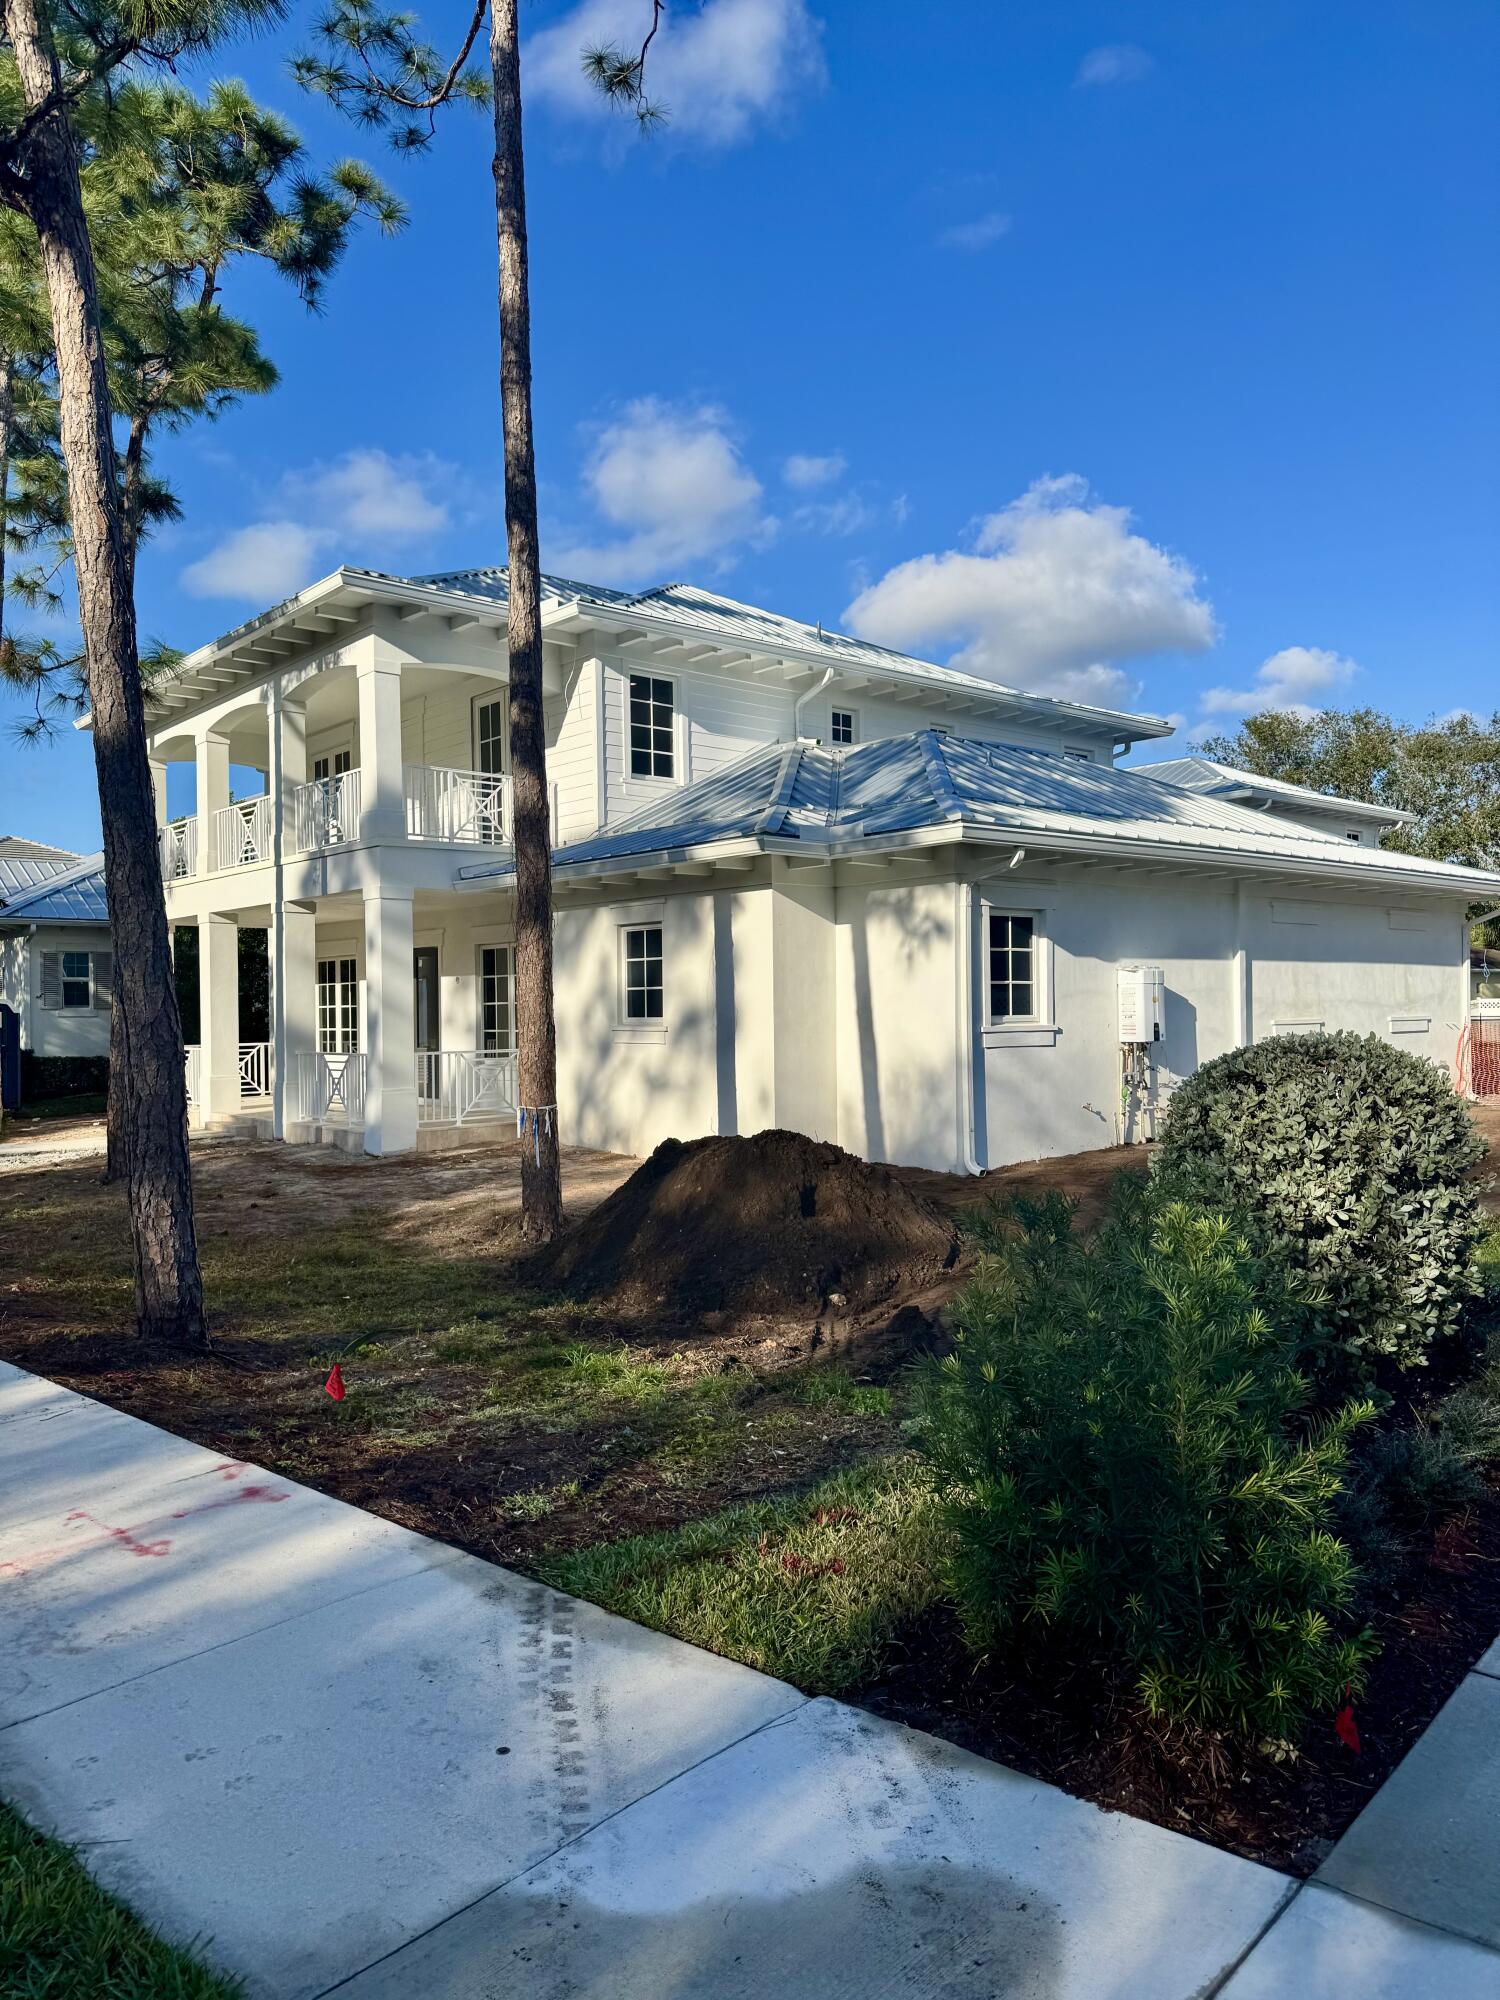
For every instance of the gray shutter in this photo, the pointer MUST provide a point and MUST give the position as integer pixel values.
(102, 965)
(51, 979)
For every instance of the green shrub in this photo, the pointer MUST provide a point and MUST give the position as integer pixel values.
(1345, 1161)
(1128, 1469)
(62, 1076)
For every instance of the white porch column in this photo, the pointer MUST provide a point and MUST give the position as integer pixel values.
(213, 792)
(390, 1032)
(159, 790)
(219, 1017)
(288, 765)
(294, 1003)
(382, 800)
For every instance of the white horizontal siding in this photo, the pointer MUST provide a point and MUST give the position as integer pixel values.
(719, 718)
(573, 754)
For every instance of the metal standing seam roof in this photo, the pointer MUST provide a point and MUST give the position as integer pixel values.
(76, 896)
(696, 610)
(832, 798)
(1206, 774)
(23, 872)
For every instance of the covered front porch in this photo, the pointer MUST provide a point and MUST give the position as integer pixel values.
(392, 1023)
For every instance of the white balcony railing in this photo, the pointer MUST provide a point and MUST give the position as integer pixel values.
(469, 806)
(329, 1088)
(255, 1069)
(243, 833)
(325, 813)
(461, 1086)
(179, 850)
(190, 1067)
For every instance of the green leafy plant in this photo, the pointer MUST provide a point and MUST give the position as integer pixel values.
(1347, 1163)
(1128, 1466)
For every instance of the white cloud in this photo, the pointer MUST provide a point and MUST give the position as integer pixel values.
(717, 70)
(1116, 62)
(1056, 589)
(803, 470)
(976, 235)
(672, 481)
(364, 504)
(1290, 679)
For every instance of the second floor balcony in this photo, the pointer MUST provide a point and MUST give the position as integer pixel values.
(441, 805)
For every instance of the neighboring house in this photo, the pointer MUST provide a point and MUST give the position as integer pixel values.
(800, 880)
(1339, 819)
(54, 949)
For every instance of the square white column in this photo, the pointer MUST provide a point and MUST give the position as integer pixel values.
(390, 1028)
(294, 1005)
(288, 765)
(382, 796)
(219, 1017)
(213, 792)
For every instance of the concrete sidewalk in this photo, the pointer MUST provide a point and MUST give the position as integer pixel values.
(358, 1760)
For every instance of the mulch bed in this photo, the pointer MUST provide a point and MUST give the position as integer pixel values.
(1440, 1615)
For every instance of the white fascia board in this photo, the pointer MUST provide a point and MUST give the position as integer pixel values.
(1454, 881)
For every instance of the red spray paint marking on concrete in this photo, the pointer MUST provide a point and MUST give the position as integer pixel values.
(131, 1539)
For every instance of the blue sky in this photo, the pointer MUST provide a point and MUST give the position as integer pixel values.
(1143, 352)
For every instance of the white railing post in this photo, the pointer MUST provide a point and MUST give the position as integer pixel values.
(243, 833)
(326, 812)
(179, 850)
(471, 807)
(255, 1069)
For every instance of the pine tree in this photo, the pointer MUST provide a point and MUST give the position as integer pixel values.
(178, 189)
(58, 59)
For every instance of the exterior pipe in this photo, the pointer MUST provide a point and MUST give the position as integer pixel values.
(807, 696)
(963, 909)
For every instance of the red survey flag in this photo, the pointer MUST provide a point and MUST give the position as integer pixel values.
(334, 1386)
(1346, 1729)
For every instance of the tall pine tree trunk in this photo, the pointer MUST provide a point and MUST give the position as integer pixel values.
(117, 1107)
(169, 1286)
(536, 1031)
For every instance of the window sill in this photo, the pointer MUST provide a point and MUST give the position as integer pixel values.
(1022, 1035)
(655, 1032)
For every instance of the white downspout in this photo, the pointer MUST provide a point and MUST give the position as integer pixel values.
(963, 913)
(816, 689)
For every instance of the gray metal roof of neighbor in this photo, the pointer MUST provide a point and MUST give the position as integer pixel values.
(23, 863)
(1206, 774)
(828, 799)
(75, 896)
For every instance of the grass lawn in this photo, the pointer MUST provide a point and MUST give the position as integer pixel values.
(62, 1938)
(479, 1408)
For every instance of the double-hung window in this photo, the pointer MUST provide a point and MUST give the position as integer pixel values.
(641, 973)
(1012, 970)
(77, 984)
(338, 1006)
(651, 727)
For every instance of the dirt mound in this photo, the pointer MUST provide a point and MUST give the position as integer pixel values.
(765, 1226)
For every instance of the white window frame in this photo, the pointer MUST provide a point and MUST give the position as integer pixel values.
(1079, 753)
(507, 946)
(1039, 1029)
(678, 773)
(338, 1020)
(486, 699)
(331, 757)
(635, 917)
(843, 708)
(65, 979)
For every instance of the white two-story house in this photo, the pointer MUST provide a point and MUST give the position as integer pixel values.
(799, 879)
